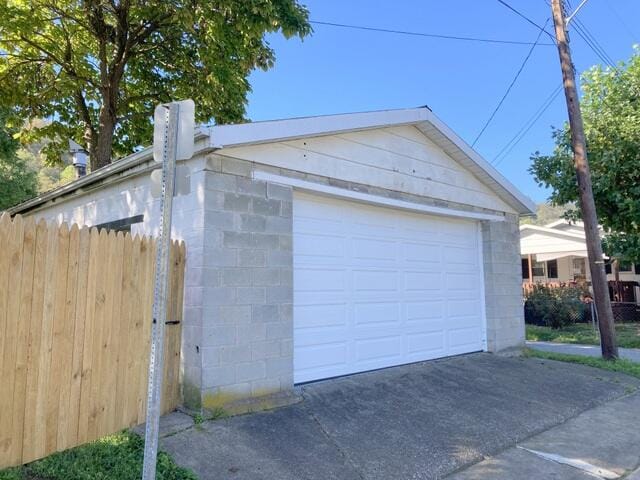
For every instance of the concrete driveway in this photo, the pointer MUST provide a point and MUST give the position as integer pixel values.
(419, 421)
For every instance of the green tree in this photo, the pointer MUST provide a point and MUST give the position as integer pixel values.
(546, 213)
(17, 180)
(611, 112)
(96, 68)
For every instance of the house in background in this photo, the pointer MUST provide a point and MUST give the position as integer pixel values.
(323, 246)
(557, 253)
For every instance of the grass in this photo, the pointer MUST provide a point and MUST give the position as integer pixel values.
(627, 334)
(621, 365)
(116, 456)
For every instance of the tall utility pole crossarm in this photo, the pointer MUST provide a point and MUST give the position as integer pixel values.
(583, 175)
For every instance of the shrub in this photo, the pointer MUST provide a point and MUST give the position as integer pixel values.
(554, 307)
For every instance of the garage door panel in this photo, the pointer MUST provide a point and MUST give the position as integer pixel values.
(462, 321)
(380, 349)
(426, 343)
(320, 279)
(321, 356)
(376, 313)
(319, 315)
(374, 281)
(375, 287)
(463, 307)
(423, 311)
(463, 337)
(462, 282)
(459, 255)
(313, 337)
(379, 250)
(422, 281)
(316, 248)
(423, 252)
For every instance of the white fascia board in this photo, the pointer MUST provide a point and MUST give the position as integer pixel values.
(526, 202)
(557, 223)
(373, 199)
(127, 163)
(226, 136)
(552, 232)
(222, 136)
(543, 257)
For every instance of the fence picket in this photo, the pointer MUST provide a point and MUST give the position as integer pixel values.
(13, 249)
(75, 324)
(22, 340)
(31, 425)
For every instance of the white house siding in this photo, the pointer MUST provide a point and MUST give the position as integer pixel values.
(398, 159)
(547, 243)
(566, 272)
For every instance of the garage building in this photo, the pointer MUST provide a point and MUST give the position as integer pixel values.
(323, 246)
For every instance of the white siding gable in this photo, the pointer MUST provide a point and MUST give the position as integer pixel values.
(396, 158)
(538, 242)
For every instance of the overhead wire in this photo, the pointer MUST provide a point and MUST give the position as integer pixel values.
(590, 40)
(506, 93)
(624, 24)
(593, 43)
(522, 15)
(424, 34)
(522, 132)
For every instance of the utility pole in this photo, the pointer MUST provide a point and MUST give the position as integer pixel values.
(587, 204)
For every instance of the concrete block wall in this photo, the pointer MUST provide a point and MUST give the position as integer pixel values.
(503, 284)
(242, 298)
(246, 344)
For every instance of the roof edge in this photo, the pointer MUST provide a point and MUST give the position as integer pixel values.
(227, 136)
(552, 231)
(253, 133)
(529, 206)
(126, 163)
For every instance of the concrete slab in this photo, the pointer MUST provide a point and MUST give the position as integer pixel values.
(516, 464)
(170, 424)
(607, 437)
(635, 475)
(419, 421)
(632, 354)
(285, 444)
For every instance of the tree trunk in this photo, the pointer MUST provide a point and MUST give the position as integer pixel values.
(101, 153)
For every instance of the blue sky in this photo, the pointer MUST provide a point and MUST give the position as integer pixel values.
(340, 70)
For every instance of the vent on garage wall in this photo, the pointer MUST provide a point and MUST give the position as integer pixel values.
(121, 225)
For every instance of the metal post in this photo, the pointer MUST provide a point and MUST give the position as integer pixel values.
(154, 392)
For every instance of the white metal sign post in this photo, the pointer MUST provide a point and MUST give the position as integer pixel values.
(173, 139)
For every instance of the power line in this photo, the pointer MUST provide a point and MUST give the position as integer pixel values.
(531, 121)
(632, 35)
(423, 34)
(590, 40)
(495, 110)
(522, 15)
(586, 35)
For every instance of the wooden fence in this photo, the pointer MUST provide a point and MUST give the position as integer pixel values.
(75, 327)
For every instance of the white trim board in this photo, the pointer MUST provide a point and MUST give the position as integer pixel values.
(483, 295)
(373, 199)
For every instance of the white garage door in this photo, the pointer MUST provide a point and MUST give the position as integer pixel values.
(376, 287)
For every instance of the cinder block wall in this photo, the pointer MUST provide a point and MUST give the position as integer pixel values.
(244, 294)
(503, 284)
(246, 347)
